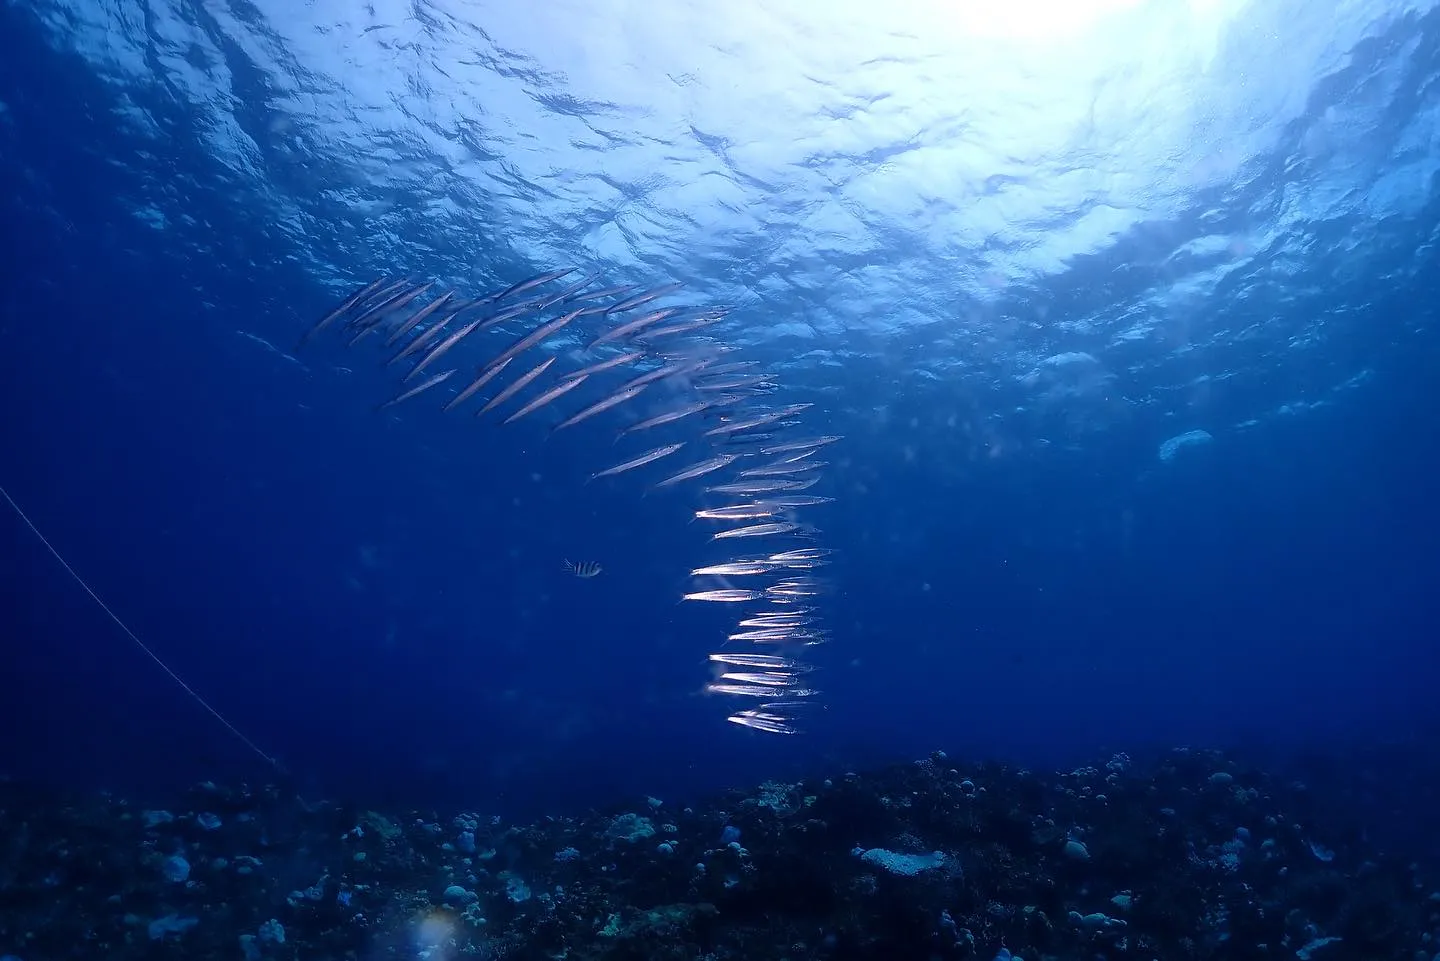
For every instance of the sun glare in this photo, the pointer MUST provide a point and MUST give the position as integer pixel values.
(1027, 19)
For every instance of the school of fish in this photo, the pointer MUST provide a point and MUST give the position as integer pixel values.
(747, 457)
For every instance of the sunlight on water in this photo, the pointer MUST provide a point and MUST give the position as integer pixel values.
(1015, 24)
(843, 171)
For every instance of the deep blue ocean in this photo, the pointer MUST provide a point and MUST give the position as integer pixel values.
(1007, 256)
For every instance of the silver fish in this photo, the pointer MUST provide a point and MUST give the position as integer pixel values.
(639, 323)
(727, 596)
(669, 417)
(644, 298)
(520, 384)
(683, 327)
(619, 397)
(344, 308)
(676, 369)
(759, 420)
(774, 622)
(734, 383)
(423, 339)
(756, 690)
(792, 590)
(764, 721)
(732, 367)
(372, 316)
(781, 614)
(783, 469)
(797, 500)
(790, 457)
(607, 292)
(757, 530)
(640, 461)
(769, 635)
(415, 319)
(767, 678)
(802, 554)
(560, 389)
(761, 485)
(609, 364)
(441, 348)
(509, 313)
(533, 338)
(418, 388)
(768, 662)
(800, 444)
(733, 569)
(698, 470)
(564, 294)
(527, 284)
(485, 377)
(739, 512)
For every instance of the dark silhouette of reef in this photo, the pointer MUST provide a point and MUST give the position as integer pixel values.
(1191, 856)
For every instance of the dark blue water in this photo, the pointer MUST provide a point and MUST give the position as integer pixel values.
(1005, 330)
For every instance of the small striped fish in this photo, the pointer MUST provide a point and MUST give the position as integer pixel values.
(585, 569)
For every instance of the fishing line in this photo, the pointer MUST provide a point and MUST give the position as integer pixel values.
(131, 634)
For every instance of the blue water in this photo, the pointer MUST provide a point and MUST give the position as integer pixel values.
(1007, 258)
